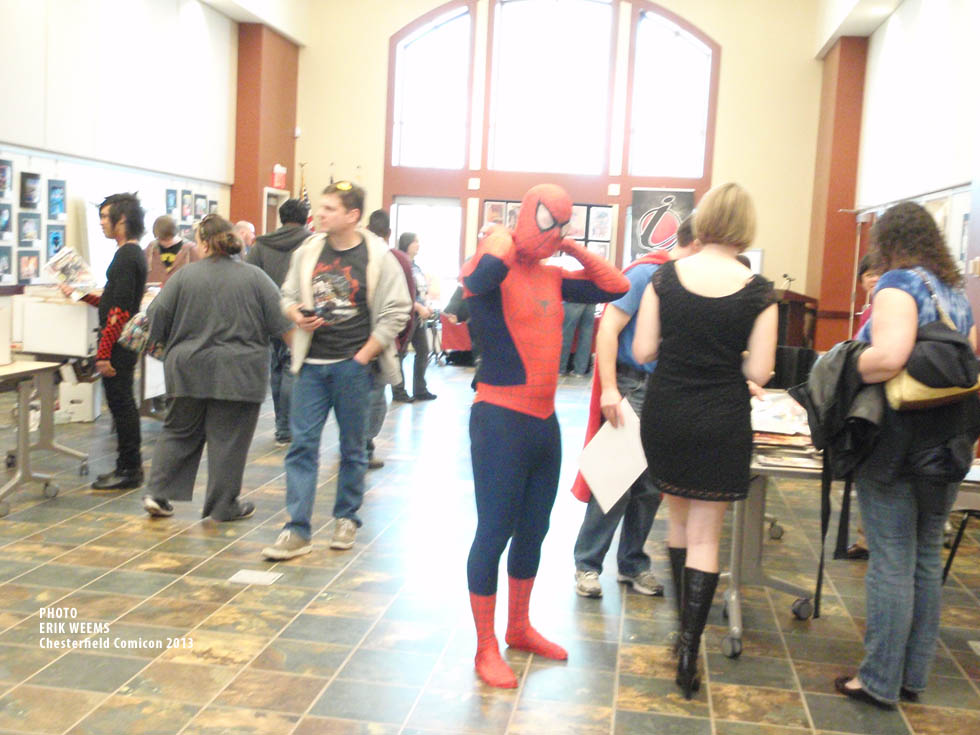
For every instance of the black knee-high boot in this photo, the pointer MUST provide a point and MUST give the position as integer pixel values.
(678, 558)
(699, 589)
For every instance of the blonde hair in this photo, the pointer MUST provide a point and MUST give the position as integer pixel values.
(726, 216)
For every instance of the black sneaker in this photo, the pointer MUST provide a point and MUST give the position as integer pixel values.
(425, 396)
(119, 480)
(401, 396)
(157, 507)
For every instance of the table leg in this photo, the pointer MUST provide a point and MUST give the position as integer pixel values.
(748, 528)
(45, 389)
(23, 472)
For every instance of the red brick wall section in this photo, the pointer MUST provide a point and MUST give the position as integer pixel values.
(268, 72)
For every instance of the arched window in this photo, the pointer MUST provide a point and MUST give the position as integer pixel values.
(602, 97)
(550, 88)
(671, 95)
(432, 69)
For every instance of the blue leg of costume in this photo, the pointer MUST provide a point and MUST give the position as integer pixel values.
(516, 462)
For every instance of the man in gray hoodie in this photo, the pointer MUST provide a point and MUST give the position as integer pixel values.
(271, 253)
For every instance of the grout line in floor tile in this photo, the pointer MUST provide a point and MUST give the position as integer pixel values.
(287, 624)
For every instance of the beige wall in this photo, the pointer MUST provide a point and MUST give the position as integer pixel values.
(122, 83)
(767, 118)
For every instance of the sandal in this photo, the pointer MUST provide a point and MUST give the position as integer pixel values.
(856, 553)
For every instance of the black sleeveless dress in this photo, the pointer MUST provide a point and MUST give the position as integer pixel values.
(695, 425)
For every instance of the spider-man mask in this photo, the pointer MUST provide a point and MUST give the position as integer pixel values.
(545, 213)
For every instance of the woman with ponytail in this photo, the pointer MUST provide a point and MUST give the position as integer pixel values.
(215, 319)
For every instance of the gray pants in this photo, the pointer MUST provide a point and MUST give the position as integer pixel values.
(227, 428)
(377, 409)
(637, 509)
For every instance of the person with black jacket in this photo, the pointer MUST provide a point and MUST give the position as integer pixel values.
(907, 484)
(121, 217)
(271, 253)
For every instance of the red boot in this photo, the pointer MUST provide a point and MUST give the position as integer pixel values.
(490, 666)
(520, 634)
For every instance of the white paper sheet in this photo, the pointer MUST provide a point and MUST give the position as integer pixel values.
(612, 461)
(252, 576)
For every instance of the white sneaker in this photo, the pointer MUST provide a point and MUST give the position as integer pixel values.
(644, 583)
(587, 583)
(287, 546)
(343, 534)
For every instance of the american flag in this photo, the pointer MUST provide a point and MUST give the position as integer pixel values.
(305, 197)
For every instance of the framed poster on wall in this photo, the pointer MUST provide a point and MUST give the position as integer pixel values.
(186, 204)
(656, 215)
(29, 227)
(200, 206)
(28, 265)
(56, 240)
(6, 179)
(6, 222)
(6, 264)
(30, 190)
(56, 199)
(171, 207)
(513, 212)
(577, 224)
(600, 223)
(494, 213)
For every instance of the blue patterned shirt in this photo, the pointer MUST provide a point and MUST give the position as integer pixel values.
(953, 300)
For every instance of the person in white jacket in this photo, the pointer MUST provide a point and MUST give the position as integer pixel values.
(346, 292)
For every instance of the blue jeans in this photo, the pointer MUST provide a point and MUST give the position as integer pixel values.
(344, 387)
(581, 318)
(281, 383)
(903, 521)
(637, 509)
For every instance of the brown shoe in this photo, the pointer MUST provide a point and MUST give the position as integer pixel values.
(856, 552)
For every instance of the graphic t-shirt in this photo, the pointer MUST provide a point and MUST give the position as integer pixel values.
(169, 255)
(340, 299)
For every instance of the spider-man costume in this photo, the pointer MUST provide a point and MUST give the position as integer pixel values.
(516, 317)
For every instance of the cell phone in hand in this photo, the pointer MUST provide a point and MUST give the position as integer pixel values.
(306, 312)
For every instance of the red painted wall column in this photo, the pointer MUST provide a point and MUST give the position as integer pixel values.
(265, 123)
(830, 272)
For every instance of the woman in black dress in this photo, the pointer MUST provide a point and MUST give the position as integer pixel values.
(711, 324)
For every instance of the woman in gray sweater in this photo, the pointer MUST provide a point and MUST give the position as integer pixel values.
(215, 319)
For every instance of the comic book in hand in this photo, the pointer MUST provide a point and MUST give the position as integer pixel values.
(68, 267)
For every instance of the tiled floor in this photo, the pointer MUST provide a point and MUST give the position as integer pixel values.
(378, 640)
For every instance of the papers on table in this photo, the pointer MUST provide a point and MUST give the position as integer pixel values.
(779, 413)
(612, 461)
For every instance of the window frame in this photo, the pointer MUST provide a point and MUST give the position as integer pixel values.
(407, 32)
(493, 184)
(639, 8)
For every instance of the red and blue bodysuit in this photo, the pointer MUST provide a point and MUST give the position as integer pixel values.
(516, 317)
